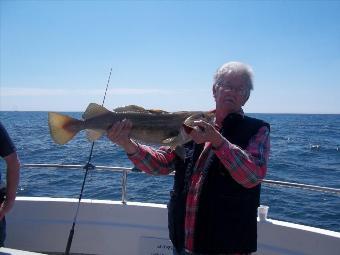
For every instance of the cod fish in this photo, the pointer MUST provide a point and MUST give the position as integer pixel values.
(148, 126)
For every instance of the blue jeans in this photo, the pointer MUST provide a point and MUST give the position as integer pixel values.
(2, 232)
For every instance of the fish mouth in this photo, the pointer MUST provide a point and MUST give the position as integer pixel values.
(187, 128)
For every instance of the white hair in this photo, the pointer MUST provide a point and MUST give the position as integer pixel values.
(235, 68)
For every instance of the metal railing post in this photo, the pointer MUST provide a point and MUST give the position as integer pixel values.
(124, 182)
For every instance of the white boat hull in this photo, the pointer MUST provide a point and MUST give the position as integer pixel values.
(111, 227)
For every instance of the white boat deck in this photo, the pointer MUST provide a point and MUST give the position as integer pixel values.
(8, 251)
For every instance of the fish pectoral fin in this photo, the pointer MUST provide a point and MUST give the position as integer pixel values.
(169, 140)
(94, 134)
(94, 110)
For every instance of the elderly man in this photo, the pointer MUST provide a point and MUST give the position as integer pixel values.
(213, 205)
(7, 194)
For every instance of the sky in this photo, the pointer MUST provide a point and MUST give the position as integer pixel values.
(57, 55)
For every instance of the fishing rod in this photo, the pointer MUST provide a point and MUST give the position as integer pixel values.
(87, 167)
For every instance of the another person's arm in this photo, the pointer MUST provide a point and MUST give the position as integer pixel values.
(13, 166)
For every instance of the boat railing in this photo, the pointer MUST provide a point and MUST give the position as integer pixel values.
(126, 170)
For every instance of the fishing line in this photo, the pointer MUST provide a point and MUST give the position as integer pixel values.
(87, 167)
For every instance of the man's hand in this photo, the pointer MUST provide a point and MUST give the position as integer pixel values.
(6, 206)
(119, 133)
(204, 132)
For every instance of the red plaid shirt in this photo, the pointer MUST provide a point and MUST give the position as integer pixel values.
(248, 167)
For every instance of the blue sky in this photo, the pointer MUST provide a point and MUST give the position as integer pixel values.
(57, 55)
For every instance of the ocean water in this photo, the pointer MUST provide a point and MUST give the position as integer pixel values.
(292, 159)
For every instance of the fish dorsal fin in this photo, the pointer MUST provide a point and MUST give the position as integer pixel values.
(131, 108)
(157, 111)
(94, 110)
(94, 134)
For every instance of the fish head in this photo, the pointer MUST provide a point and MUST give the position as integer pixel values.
(208, 117)
(187, 126)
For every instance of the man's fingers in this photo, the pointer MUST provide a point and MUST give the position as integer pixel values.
(113, 128)
(128, 124)
(201, 123)
(119, 130)
(196, 135)
(120, 126)
(202, 132)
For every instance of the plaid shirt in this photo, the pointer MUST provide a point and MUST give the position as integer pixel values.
(247, 167)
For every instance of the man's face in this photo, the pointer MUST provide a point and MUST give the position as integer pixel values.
(231, 93)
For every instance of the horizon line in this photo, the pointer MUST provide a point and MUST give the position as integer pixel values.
(302, 113)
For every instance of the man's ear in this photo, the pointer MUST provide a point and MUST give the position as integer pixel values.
(245, 99)
(214, 90)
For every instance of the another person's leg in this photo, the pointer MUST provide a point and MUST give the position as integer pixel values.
(2, 232)
(182, 252)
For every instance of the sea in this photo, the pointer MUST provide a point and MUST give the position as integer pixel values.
(305, 148)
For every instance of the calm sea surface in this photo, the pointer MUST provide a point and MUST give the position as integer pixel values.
(291, 159)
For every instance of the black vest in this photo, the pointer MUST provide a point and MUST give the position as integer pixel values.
(227, 213)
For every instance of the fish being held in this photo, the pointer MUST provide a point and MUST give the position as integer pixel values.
(148, 126)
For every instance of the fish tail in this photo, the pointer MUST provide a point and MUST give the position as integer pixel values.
(63, 128)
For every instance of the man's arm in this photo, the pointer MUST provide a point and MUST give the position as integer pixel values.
(13, 166)
(155, 162)
(145, 158)
(247, 167)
